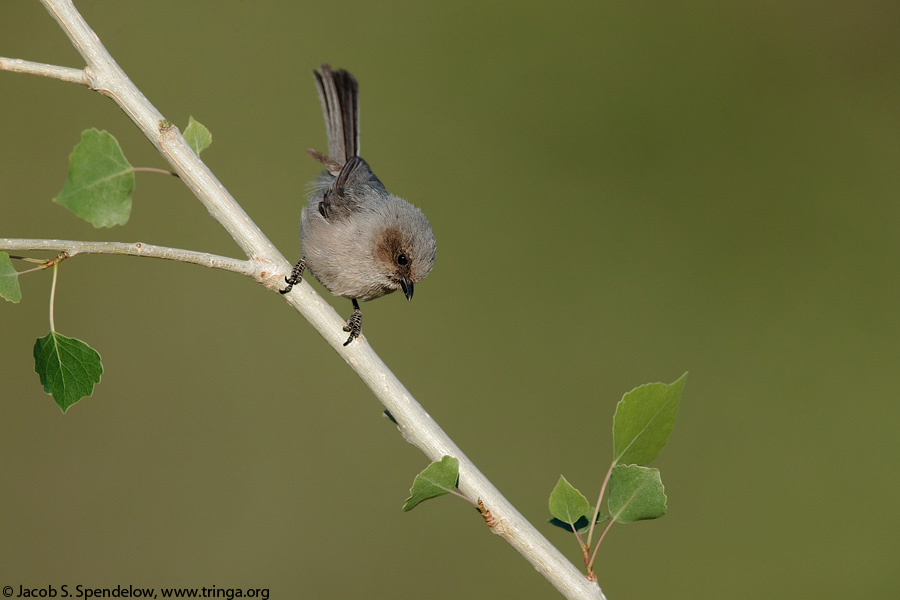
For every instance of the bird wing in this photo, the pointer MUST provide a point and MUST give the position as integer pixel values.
(354, 185)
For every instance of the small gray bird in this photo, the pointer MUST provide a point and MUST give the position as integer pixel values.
(358, 240)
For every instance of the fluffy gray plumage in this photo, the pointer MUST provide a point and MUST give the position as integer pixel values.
(359, 241)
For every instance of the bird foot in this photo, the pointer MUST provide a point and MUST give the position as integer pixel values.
(354, 324)
(295, 277)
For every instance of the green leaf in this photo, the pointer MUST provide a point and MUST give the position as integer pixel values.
(69, 368)
(98, 188)
(437, 479)
(568, 504)
(644, 419)
(9, 279)
(636, 493)
(197, 136)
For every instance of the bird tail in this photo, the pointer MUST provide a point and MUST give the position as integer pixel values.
(339, 95)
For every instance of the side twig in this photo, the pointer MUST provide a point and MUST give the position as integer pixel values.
(17, 65)
(73, 248)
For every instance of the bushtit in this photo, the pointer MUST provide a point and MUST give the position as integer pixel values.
(358, 240)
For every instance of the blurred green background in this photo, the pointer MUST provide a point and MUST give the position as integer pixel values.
(621, 192)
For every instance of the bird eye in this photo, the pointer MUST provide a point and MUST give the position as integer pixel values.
(402, 260)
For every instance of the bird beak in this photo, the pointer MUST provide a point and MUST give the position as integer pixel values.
(407, 288)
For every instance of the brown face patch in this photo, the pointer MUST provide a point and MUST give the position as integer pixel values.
(390, 250)
(388, 242)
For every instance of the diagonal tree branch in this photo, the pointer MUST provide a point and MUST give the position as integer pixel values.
(102, 74)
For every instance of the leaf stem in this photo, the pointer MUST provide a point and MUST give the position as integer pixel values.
(39, 261)
(53, 296)
(584, 550)
(599, 502)
(577, 536)
(600, 541)
(33, 269)
(156, 170)
(464, 497)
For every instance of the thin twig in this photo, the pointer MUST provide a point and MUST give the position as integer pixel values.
(73, 248)
(17, 65)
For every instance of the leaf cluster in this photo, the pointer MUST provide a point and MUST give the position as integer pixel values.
(641, 426)
(642, 423)
(98, 189)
